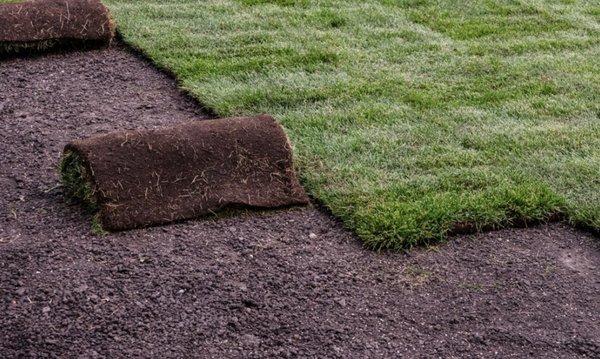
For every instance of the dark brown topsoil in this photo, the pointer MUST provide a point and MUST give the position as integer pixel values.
(42, 23)
(288, 283)
(195, 168)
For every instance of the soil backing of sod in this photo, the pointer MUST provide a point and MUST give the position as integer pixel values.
(33, 26)
(141, 178)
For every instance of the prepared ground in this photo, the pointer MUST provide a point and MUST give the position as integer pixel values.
(289, 283)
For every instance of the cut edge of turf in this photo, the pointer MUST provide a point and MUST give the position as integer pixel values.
(521, 206)
(515, 213)
(141, 54)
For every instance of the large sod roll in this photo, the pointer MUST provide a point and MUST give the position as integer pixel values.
(141, 178)
(41, 24)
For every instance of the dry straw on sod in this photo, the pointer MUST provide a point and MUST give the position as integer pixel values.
(33, 26)
(140, 178)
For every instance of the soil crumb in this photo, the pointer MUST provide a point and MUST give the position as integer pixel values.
(290, 283)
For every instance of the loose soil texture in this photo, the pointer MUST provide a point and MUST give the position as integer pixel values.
(149, 177)
(288, 283)
(41, 24)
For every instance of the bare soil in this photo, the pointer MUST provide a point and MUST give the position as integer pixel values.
(287, 283)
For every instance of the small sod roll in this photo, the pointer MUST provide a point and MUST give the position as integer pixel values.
(42, 24)
(141, 178)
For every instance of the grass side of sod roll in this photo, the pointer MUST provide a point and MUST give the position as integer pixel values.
(408, 117)
(77, 184)
(76, 181)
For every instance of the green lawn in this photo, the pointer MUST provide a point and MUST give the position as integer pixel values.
(407, 116)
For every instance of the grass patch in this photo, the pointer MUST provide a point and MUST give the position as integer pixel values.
(97, 228)
(77, 185)
(407, 116)
(76, 181)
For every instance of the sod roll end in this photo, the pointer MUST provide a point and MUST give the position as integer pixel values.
(141, 178)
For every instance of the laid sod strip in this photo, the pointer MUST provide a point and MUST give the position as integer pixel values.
(33, 26)
(409, 118)
(140, 178)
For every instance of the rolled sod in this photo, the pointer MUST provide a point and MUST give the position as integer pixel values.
(42, 24)
(141, 178)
